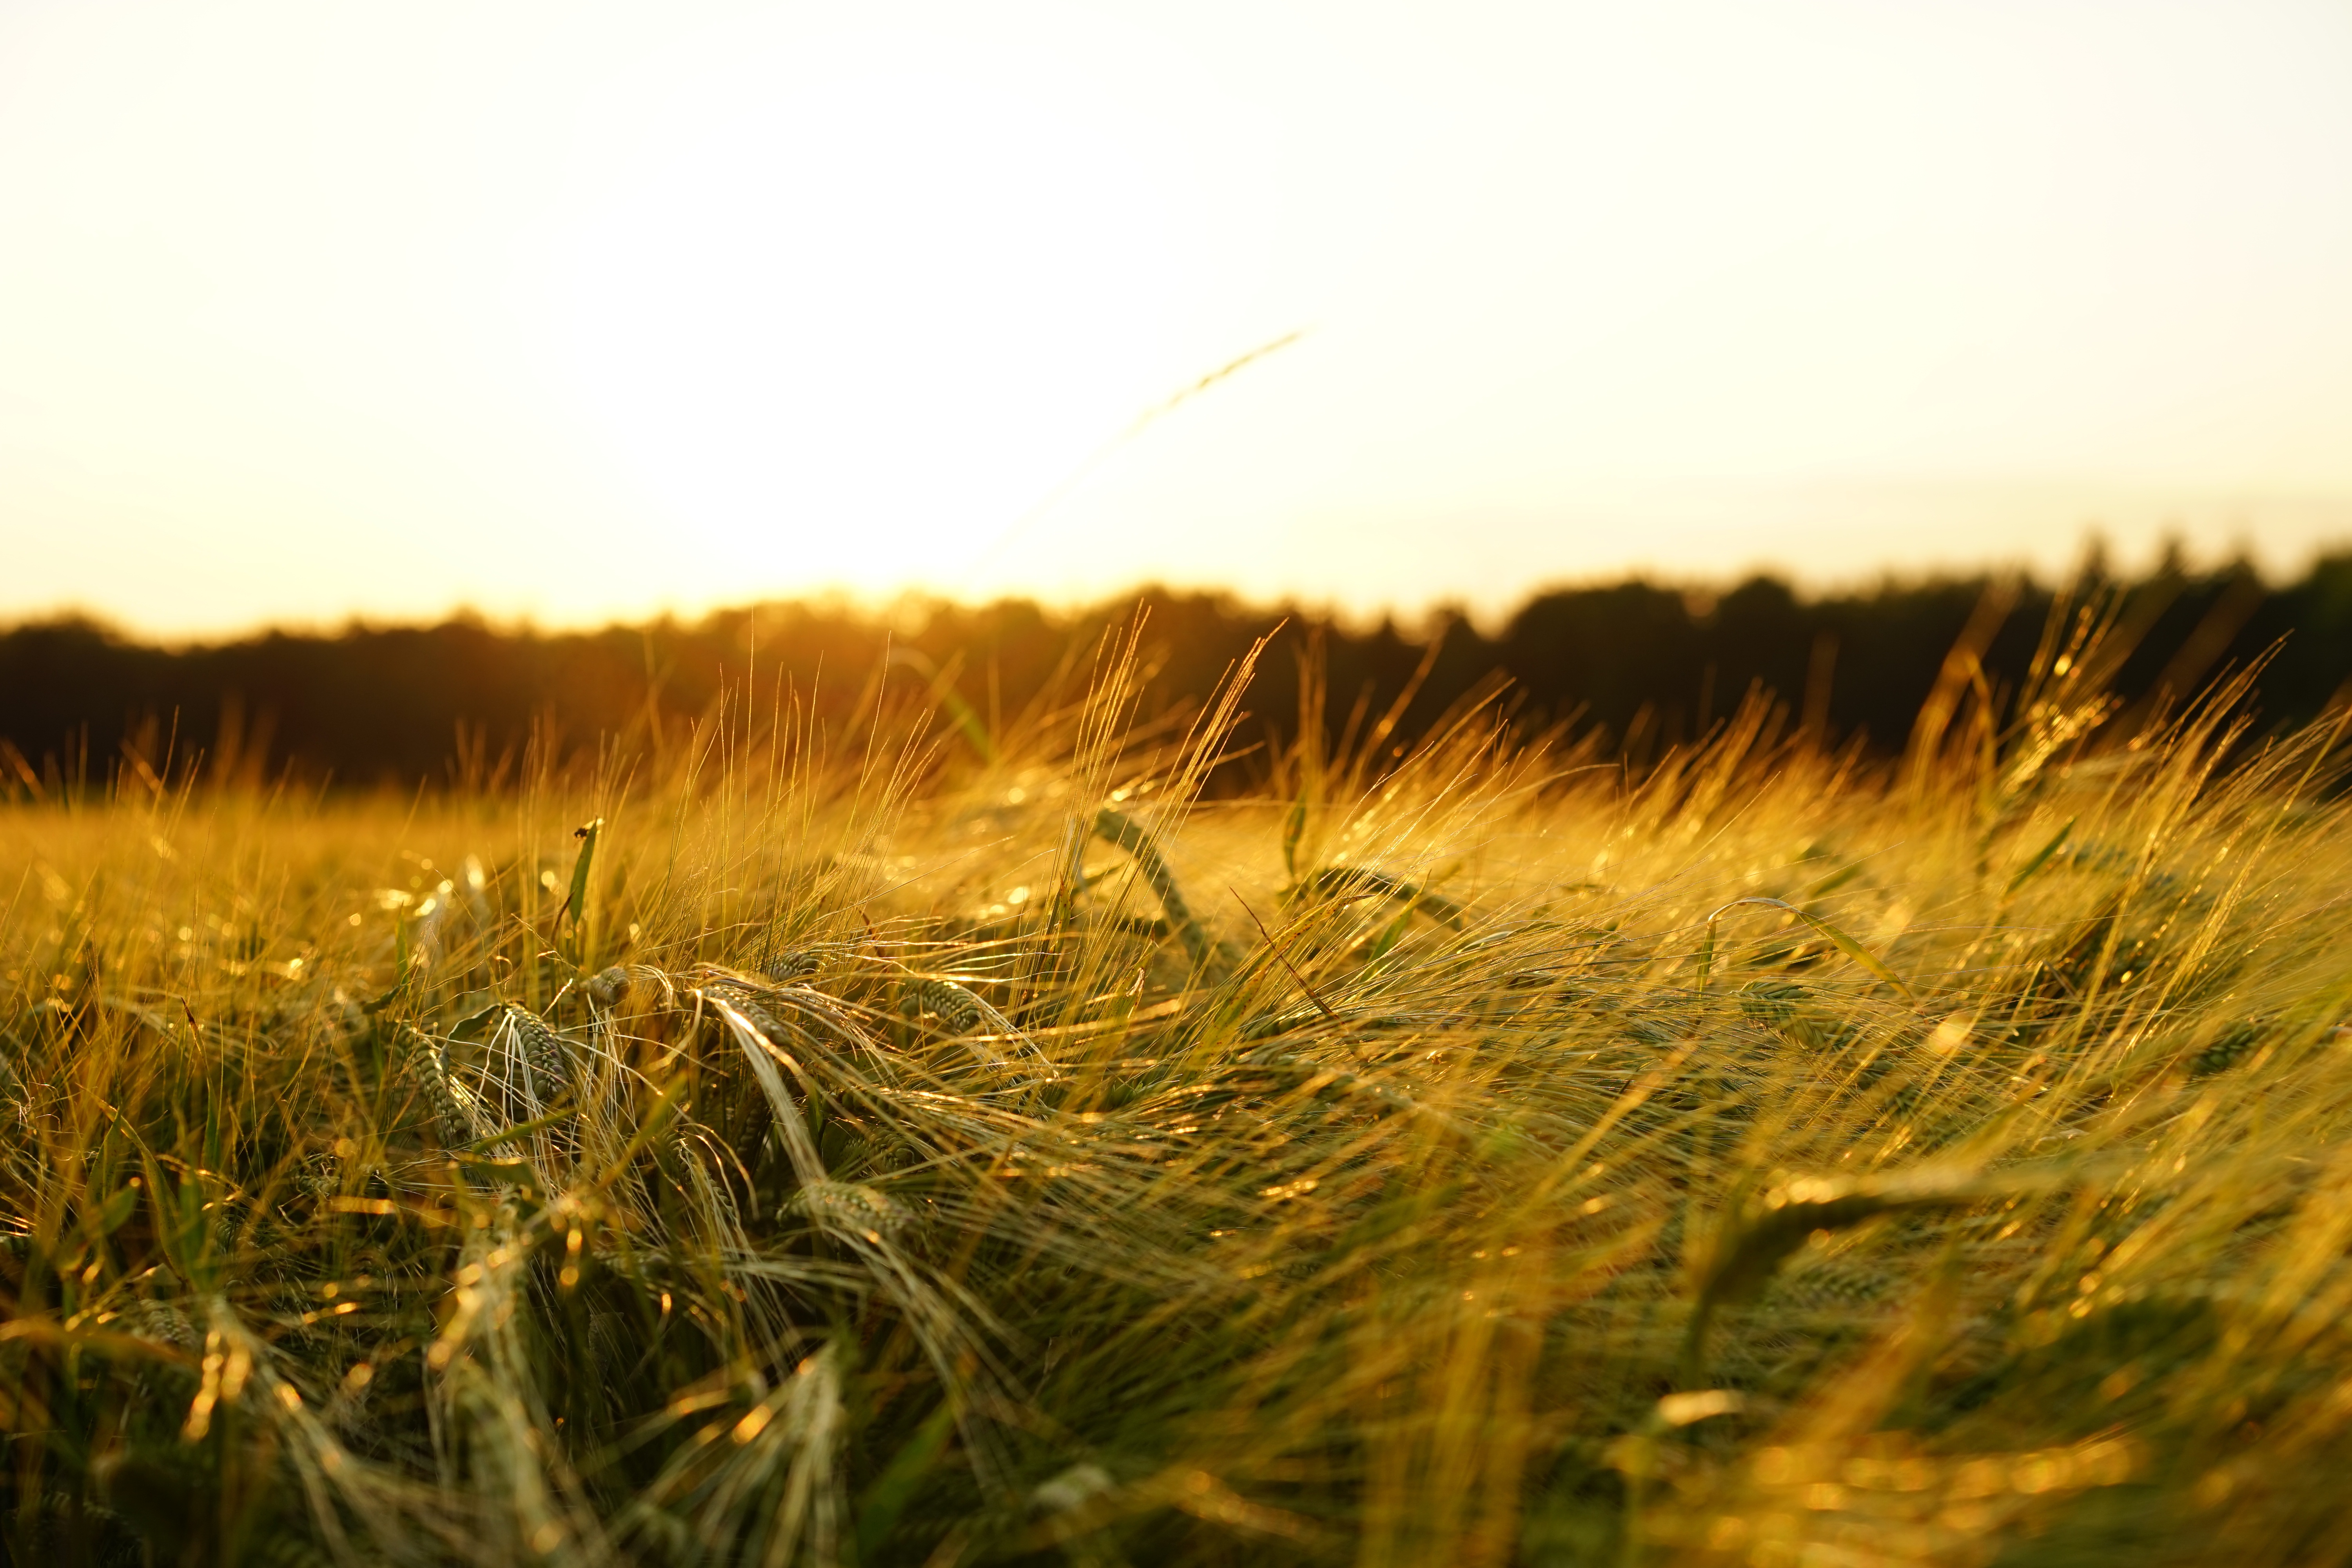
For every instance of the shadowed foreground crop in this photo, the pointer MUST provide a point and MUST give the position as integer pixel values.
(874, 1145)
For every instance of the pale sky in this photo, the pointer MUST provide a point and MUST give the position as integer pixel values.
(575, 310)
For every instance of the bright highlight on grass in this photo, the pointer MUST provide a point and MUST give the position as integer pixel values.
(890, 1145)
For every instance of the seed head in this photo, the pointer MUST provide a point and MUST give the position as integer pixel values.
(163, 1323)
(745, 1001)
(545, 1054)
(454, 1105)
(956, 1009)
(846, 1206)
(322, 1176)
(797, 965)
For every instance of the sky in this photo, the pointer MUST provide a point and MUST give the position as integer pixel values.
(572, 311)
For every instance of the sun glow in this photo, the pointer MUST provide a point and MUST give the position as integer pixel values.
(848, 326)
(576, 311)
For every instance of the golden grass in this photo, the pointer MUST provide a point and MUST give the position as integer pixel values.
(861, 1148)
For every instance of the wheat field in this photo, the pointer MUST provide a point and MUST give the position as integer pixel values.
(911, 1143)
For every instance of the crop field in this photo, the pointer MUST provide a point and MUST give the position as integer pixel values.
(919, 1141)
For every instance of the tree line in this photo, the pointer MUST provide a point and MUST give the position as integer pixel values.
(1647, 665)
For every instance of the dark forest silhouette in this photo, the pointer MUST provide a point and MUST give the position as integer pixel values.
(1648, 666)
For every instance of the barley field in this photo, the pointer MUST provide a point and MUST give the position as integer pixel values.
(913, 1143)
